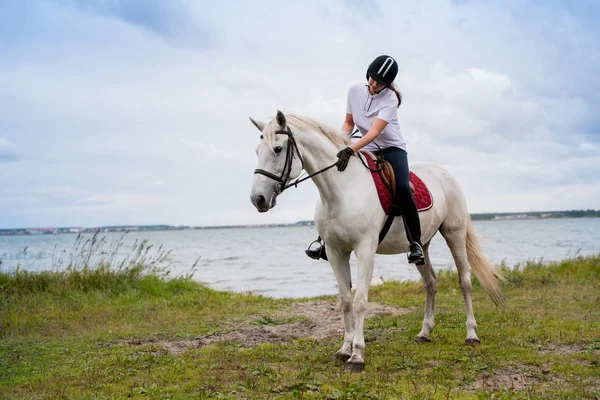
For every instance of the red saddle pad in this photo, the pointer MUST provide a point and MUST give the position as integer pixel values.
(422, 194)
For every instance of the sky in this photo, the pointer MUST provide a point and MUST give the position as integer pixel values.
(117, 112)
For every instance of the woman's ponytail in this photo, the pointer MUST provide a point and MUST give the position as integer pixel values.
(398, 94)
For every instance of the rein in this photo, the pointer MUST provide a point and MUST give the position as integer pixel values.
(292, 148)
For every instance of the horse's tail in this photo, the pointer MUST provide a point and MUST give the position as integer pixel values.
(483, 270)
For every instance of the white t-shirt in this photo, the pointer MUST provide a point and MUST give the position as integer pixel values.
(365, 109)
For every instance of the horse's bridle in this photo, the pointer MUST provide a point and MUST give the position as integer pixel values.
(292, 148)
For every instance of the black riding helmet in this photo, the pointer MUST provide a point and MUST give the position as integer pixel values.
(383, 70)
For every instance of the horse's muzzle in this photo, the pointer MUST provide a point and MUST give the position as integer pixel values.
(261, 203)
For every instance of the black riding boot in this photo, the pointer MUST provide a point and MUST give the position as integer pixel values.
(318, 251)
(410, 215)
(416, 255)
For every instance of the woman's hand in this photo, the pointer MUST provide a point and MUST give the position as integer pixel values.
(343, 157)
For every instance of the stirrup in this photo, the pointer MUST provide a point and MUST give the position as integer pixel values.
(416, 255)
(319, 252)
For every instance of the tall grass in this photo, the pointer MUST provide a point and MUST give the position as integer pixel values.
(94, 263)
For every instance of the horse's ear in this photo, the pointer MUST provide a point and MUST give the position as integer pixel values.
(281, 119)
(258, 124)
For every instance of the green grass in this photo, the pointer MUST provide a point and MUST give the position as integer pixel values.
(97, 332)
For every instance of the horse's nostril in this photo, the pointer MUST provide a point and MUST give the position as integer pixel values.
(261, 201)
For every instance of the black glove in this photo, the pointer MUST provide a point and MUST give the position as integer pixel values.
(343, 157)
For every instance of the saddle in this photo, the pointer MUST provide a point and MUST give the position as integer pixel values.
(388, 177)
(385, 182)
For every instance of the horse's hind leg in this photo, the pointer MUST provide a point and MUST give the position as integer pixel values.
(430, 284)
(456, 238)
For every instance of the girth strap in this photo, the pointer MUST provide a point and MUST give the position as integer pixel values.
(387, 225)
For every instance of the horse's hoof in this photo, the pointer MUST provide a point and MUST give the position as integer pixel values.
(422, 339)
(473, 342)
(354, 367)
(341, 358)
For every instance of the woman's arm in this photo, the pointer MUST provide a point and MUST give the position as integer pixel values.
(375, 130)
(348, 125)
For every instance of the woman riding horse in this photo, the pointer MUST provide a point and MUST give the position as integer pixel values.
(373, 108)
(349, 217)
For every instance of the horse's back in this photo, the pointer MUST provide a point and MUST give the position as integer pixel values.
(449, 203)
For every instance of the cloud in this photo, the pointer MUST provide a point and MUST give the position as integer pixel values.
(209, 150)
(172, 20)
(66, 191)
(8, 152)
(113, 199)
(111, 100)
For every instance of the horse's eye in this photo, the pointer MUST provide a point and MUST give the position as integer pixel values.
(261, 137)
(278, 149)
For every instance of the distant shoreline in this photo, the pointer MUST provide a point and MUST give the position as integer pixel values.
(150, 228)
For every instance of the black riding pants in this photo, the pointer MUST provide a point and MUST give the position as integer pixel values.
(398, 158)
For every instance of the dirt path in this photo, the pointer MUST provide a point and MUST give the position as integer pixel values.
(315, 319)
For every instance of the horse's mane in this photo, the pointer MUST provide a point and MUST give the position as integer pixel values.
(305, 124)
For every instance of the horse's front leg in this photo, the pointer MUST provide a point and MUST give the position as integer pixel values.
(365, 255)
(340, 262)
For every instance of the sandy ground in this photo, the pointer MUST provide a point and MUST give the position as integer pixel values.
(318, 320)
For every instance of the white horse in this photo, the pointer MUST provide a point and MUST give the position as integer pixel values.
(349, 218)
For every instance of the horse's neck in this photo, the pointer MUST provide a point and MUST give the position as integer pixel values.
(318, 153)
